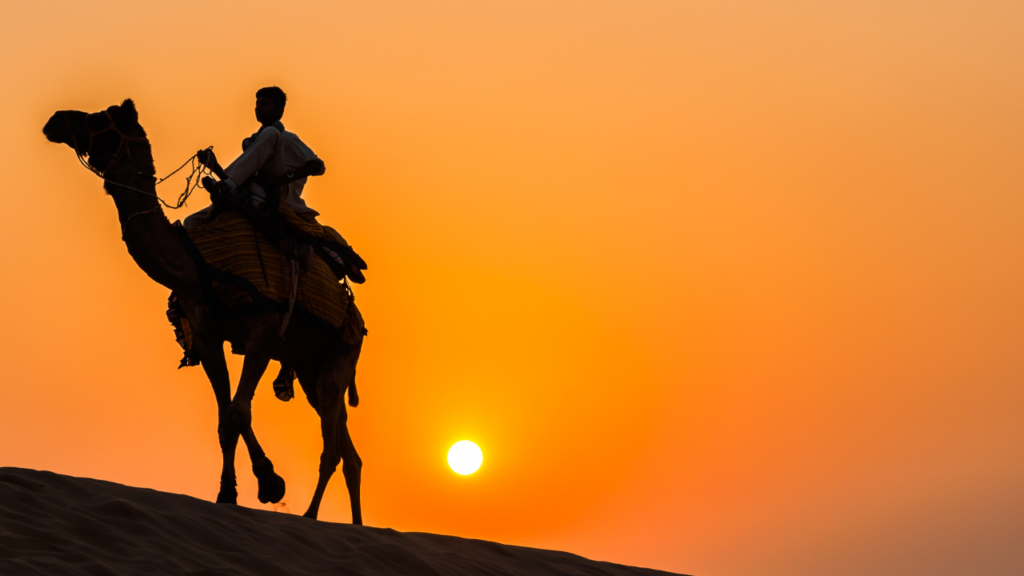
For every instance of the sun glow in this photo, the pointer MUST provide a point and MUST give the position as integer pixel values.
(465, 457)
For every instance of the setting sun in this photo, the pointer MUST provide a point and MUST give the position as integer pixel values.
(465, 457)
(724, 287)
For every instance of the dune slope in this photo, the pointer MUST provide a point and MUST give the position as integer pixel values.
(60, 525)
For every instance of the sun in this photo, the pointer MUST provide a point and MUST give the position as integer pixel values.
(465, 457)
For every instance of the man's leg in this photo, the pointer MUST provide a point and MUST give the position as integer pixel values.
(263, 155)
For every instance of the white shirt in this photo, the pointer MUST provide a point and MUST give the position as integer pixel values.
(274, 151)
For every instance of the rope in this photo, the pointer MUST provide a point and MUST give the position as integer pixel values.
(292, 297)
(190, 186)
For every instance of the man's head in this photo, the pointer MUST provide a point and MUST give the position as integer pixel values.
(270, 103)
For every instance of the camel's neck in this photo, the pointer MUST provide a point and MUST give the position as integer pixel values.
(151, 240)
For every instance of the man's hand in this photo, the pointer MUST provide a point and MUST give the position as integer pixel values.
(313, 167)
(310, 168)
(206, 157)
(209, 159)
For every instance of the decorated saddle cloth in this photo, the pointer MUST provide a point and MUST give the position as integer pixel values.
(243, 272)
(248, 272)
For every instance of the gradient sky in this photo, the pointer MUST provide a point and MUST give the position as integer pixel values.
(725, 288)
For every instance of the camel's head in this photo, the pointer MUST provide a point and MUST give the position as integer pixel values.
(107, 138)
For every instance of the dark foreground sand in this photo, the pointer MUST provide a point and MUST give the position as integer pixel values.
(59, 525)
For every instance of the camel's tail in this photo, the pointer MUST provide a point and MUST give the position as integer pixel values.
(353, 395)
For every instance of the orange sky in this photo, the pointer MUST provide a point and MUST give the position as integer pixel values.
(726, 288)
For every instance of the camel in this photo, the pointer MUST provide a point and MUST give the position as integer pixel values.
(117, 149)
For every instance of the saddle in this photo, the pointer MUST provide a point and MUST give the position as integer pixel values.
(251, 257)
(298, 237)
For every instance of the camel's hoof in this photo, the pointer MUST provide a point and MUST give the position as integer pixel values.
(227, 496)
(311, 514)
(271, 485)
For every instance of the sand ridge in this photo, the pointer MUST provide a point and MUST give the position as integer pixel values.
(61, 525)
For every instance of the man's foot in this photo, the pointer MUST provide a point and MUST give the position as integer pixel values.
(284, 384)
(225, 187)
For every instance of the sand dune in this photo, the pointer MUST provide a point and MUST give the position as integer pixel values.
(59, 525)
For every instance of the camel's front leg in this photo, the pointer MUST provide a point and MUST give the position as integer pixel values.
(258, 349)
(212, 359)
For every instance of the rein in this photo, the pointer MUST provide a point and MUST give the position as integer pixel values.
(122, 148)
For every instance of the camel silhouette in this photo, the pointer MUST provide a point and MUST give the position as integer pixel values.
(117, 149)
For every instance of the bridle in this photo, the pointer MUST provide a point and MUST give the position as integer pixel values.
(122, 149)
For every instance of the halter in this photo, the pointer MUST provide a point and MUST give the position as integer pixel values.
(122, 146)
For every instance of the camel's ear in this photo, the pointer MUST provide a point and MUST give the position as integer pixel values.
(129, 112)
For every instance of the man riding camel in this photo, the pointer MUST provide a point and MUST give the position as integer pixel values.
(273, 167)
(272, 171)
(271, 157)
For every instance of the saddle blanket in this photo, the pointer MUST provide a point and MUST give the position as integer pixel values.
(230, 244)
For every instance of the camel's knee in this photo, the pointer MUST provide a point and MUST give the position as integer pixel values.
(239, 414)
(329, 463)
(352, 465)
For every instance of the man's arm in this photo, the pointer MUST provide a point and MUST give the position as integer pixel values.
(314, 167)
(296, 151)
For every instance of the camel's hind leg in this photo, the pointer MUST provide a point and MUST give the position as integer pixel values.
(336, 375)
